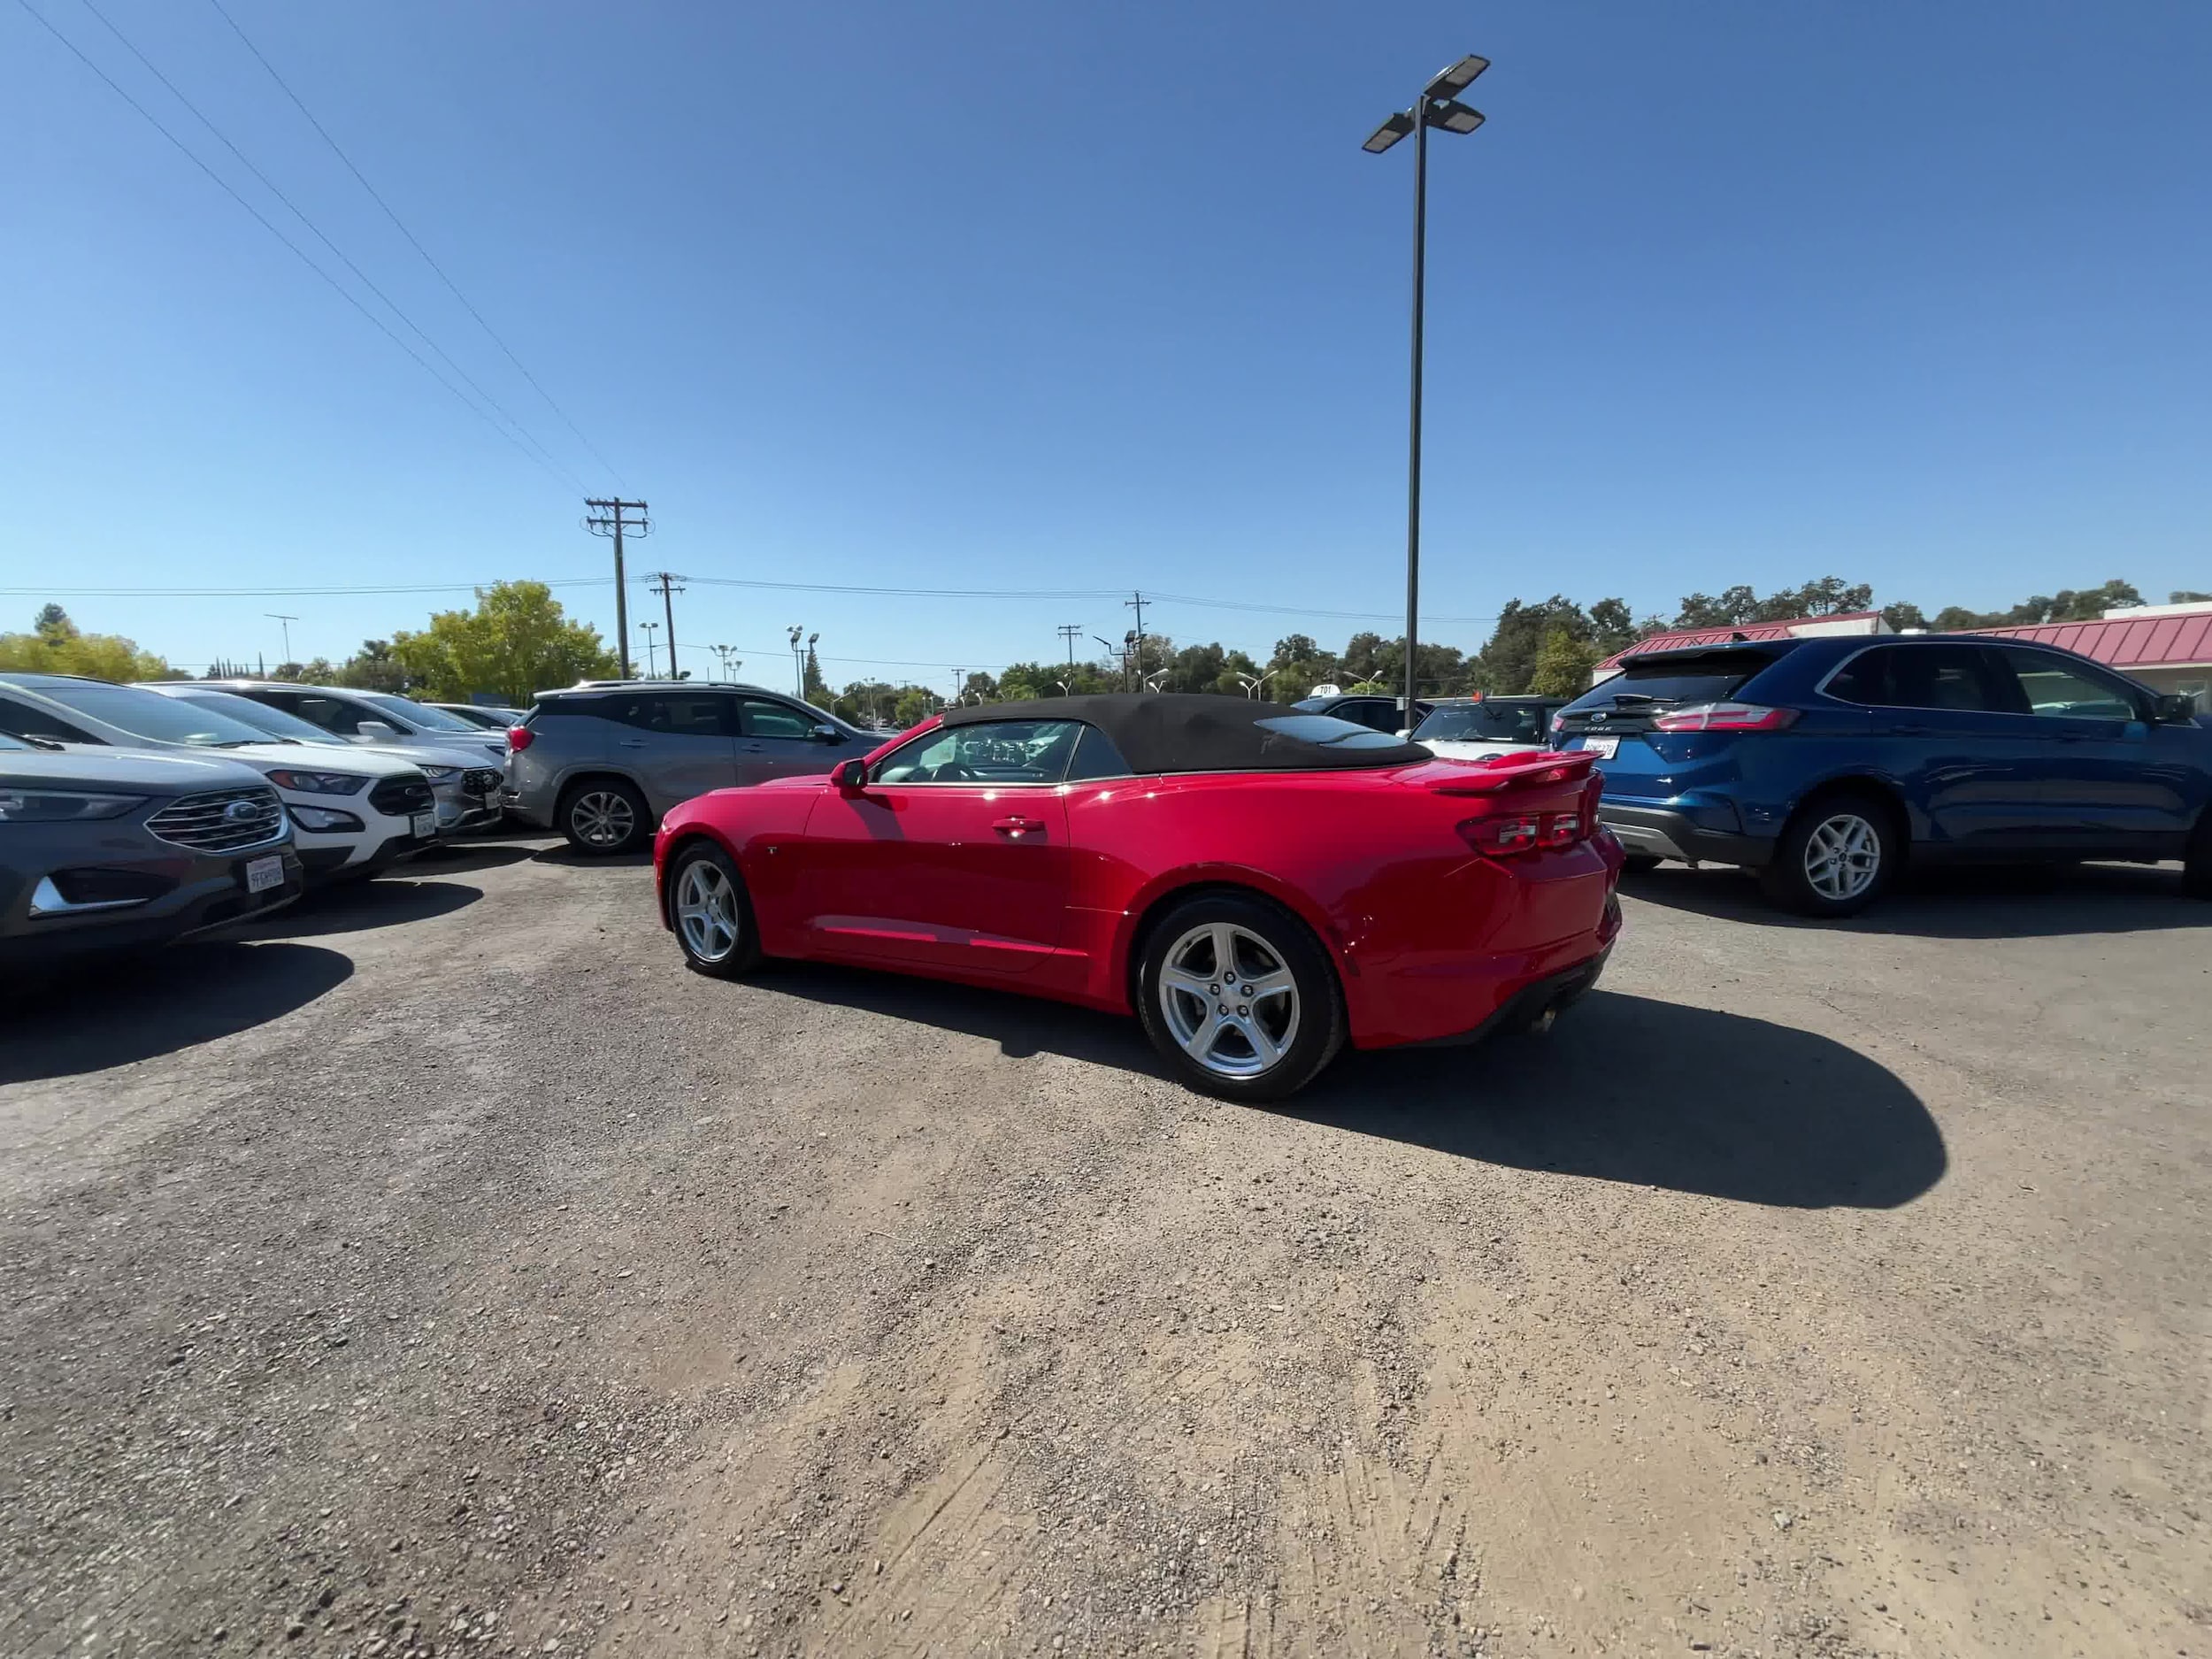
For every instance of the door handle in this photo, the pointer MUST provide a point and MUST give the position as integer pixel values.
(629, 743)
(1017, 825)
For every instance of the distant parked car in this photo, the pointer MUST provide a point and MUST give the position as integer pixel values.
(460, 783)
(110, 848)
(1474, 728)
(484, 716)
(601, 764)
(1828, 763)
(356, 812)
(1371, 709)
(380, 718)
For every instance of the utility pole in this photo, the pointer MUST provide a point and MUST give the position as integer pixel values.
(668, 609)
(611, 518)
(278, 616)
(1070, 631)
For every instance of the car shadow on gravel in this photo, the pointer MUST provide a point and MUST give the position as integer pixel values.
(1965, 903)
(1625, 1088)
(355, 906)
(1654, 1094)
(106, 1013)
(561, 853)
(445, 860)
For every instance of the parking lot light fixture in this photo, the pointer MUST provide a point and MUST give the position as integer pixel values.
(1438, 106)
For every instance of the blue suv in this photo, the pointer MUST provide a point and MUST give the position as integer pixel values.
(1825, 764)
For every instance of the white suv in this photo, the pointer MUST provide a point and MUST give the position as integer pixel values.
(355, 813)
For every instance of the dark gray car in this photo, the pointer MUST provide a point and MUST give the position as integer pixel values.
(600, 764)
(109, 848)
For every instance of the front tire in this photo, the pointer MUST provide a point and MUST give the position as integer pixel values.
(2196, 863)
(604, 816)
(1837, 855)
(1238, 998)
(712, 913)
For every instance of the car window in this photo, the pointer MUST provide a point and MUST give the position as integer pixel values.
(1674, 681)
(28, 719)
(148, 714)
(1487, 722)
(2052, 685)
(260, 715)
(340, 715)
(1939, 676)
(1095, 757)
(764, 719)
(989, 751)
(406, 713)
(677, 713)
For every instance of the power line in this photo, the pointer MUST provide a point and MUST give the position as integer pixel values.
(451, 286)
(299, 253)
(344, 258)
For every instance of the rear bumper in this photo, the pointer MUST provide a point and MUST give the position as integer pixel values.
(1553, 994)
(1669, 832)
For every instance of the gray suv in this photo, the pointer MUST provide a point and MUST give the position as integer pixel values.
(602, 763)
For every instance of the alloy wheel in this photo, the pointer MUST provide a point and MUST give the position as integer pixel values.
(601, 818)
(706, 909)
(1843, 856)
(1230, 1000)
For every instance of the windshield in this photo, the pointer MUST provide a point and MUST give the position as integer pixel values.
(260, 715)
(415, 715)
(14, 743)
(1673, 680)
(1329, 731)
(150, 715)
(1499, 721)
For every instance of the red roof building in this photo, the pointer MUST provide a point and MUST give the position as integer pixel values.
(1795, 628)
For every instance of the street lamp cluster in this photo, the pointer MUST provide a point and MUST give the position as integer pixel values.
(1438, 106)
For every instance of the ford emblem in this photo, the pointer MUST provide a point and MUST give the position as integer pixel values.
(1595, 718)
(242, 811)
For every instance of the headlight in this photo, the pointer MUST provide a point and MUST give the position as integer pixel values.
(442, 774)
(61, 806)
(324, 818)
(319, 782)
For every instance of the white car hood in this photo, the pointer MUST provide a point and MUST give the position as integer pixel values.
(423, 755)
(265, 757)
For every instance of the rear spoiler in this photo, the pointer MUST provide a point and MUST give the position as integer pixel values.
(1503, 773)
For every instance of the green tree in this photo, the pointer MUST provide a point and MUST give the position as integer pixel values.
(817, 687)
(915, 705)
(2184, 596)
(1903, 615)
(319, 673)
(54, 645)
(1612, 625)
(1564, 666)
(1508, 662)
(374, 668)
(518, 641)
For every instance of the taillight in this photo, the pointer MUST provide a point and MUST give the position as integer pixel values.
(1510, 834)
(1724, 717)
(518, 738)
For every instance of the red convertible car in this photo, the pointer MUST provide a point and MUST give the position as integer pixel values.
(1260, 886)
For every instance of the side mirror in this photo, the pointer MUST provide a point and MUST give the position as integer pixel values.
(376, 731)
(851, 776)
(828, 734)
(2174, 707)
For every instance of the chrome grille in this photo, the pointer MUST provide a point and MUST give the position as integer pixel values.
(221, 820)
(401, 793)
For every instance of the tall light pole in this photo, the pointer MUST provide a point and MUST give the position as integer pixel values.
(1438, 105)
(798, 663)
(648, 627)
(279, 616)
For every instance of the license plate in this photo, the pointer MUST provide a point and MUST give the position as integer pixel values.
(1603, 748)
(263, 873)
(424, 823)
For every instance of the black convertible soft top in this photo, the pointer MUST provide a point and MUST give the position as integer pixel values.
(1189, 731)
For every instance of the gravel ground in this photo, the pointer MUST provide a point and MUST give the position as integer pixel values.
(443, 1269)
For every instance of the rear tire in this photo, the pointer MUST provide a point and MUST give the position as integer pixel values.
(1239, 997)
(712, 913)
(604, 816)
(1641, 864)
(1837, 855)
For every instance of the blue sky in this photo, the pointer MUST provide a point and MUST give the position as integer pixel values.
(1010, 296)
